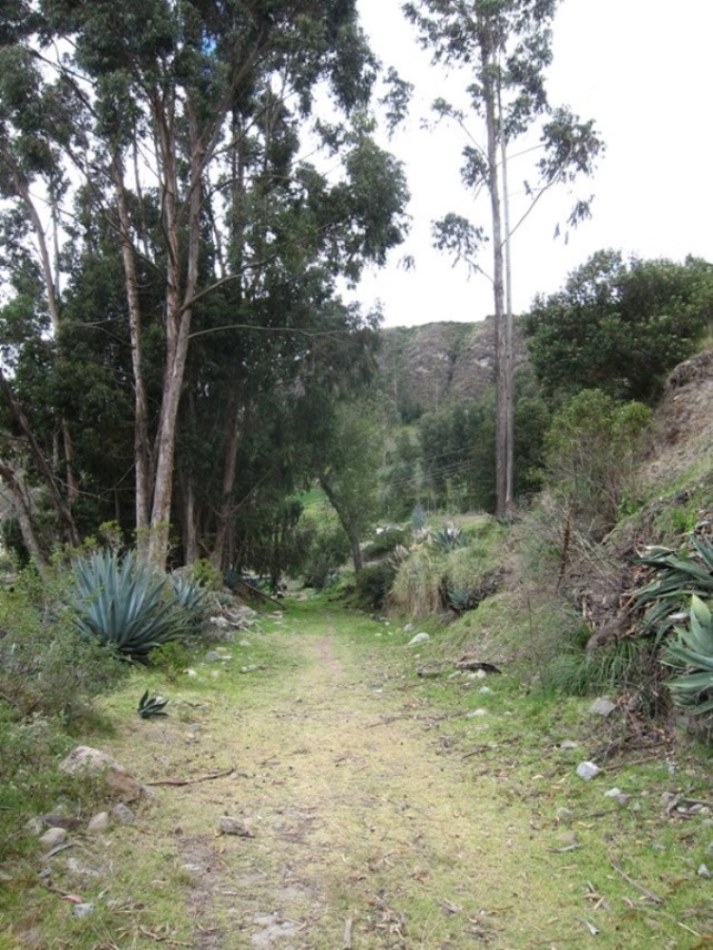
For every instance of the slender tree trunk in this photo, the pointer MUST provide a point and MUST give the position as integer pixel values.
(60, 505)
(230, 461)
(178, 321)
(501, 336)
(507, 357)
(142, 453)
(345, 522)
(23, 513)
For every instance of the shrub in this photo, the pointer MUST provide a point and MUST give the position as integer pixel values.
(373, 584)
(46, 666)
(126, 604)
(448, 539)
(325, 550)
(386, 542)
(592, 448)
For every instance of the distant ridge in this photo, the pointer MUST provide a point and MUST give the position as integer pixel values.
(428, 367)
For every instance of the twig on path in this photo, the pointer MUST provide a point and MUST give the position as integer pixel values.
(194, 781)
(347, 938)
(649, 895)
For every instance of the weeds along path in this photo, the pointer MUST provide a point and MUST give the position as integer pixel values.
(365, 834)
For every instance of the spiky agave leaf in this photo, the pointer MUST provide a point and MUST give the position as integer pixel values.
(149, 707)
(692, 652)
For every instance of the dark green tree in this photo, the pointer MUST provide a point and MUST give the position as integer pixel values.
(620, 325)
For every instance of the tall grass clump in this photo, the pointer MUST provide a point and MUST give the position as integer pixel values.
(416, 589)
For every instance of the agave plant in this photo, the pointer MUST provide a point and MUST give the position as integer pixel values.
(692, 653)
(189, 595)
(448, 539)
(677, 577)
(152, 706)
(126, 604)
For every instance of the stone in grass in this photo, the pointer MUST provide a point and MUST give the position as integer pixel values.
(85, 760)
(99, 823)
(419, 638)
(703, 871)
(234, 826)
(83, 910)
(587, 770)
(602, 707)
(53, 837)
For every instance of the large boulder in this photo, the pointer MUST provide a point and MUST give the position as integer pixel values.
(83, 760)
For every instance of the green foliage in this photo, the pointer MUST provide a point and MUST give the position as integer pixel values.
(692, 654)
(373, 584)
(325, 549)
(417, 587)
(206, 575)
(677, 575)
(385, 542)
(126, 604)
(620, 326)
(46, 666)
(171, 659)
(628, 665)
(592, 448)
(448, 538)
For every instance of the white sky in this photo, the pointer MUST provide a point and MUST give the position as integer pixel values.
(643, 69)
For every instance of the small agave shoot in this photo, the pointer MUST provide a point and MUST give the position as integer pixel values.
(128, 605)
(692, 655)
(152, 706)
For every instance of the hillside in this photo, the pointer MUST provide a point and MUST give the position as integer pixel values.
(427, 367)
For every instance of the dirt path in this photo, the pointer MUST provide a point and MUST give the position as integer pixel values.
(365, 835)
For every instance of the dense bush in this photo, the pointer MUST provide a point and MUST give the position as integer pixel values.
(386, 542)
(46, 666)
(592, 448)
(373, 584)
(325, 550)
(620, 326)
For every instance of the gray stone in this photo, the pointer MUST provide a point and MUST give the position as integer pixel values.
(703, 871)
(476, 713)
(235, 826)
(251, 668)
(83, 910)
(613, 793)
(53, 836)
(587, 770)
(419, 638)
(244, 643)
(35, 826)
(568, 744)
(408, 628)
(212, 656)
(602, 707)
(99, 823)
(564, 814)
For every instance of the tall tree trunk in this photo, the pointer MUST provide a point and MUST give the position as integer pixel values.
(502, 393)
(230, 460)
(507, 356)
(142, 452)
(178, 319)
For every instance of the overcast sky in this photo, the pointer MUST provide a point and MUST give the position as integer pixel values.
(643, 69)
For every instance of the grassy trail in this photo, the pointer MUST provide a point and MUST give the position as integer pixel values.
(371, 819)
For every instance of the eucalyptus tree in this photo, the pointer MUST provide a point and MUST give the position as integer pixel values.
(505, 47)
(185, 121)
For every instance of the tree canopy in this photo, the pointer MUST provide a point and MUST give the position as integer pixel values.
(620, 325)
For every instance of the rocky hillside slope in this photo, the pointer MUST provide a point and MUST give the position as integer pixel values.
(428, 367)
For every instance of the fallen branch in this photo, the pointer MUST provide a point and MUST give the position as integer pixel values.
(649, 895)
(194, 781)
